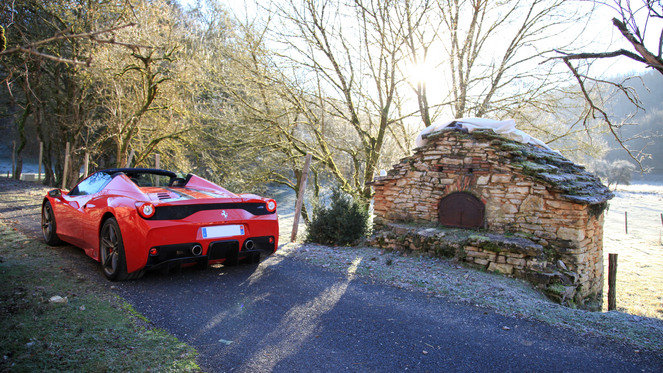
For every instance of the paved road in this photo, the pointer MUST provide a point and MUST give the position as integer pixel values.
(285, 315)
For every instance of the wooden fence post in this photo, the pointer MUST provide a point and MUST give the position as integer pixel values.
(157, 161)
(612, 282)
(66, 166)
(41, 154)
(131, 158)
(86, 164)
(626, 222)
(13, 158)
(300, 197)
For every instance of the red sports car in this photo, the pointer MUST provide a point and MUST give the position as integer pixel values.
(133, 219)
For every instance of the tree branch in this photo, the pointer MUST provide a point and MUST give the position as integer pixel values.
(584, 56)
(655, 62)
(593, 109)
(31, 48)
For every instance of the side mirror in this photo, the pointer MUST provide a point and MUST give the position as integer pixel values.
(55, 193)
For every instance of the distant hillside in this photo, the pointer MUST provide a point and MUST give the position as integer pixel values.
(647, 124)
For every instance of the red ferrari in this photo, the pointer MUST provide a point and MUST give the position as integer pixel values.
(133, 219)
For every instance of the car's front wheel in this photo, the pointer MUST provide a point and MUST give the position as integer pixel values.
(111, 248)
(48, 225)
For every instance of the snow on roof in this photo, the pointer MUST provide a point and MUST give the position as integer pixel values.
(506, 128)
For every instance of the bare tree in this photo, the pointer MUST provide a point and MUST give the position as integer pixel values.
(419, 39)
(340, 87)
(235, 107)
(348, 102)
(636, 21)
(494, 49)
(485, 59)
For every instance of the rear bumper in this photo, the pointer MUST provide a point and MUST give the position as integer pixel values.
(225, 251)
(174, 240)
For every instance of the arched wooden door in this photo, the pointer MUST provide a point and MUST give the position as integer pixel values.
(461, 210)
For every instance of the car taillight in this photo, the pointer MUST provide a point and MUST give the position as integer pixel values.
(271, 205)
(145, 209)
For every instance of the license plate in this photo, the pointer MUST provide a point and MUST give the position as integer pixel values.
(222, 231)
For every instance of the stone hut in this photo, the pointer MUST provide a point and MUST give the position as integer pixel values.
(498, 204)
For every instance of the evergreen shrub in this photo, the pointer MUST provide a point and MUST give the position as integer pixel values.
(344, 222)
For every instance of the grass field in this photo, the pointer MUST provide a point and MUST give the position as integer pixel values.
(640, 251)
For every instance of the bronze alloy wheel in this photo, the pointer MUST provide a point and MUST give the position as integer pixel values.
(48, 226)
(112, 251)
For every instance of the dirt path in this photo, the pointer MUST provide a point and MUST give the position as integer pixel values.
(20, 205)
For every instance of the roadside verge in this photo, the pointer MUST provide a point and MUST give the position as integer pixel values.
(56, 320)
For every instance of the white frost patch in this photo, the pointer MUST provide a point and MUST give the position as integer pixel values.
(506, 128)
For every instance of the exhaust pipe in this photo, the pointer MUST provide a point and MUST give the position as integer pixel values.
(248, 245)
(196, 250)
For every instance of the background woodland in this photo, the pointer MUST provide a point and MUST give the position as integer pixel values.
(241, 96)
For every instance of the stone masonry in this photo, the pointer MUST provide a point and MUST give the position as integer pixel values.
(552, 207)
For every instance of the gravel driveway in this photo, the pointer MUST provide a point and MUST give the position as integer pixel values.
(287, 315)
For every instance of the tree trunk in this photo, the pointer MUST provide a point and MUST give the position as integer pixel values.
(22, 140)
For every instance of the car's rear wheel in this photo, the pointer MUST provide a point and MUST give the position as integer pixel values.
(48, 225)
(111, 247)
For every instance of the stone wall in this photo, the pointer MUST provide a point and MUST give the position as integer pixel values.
(511, 255)
(536, 194)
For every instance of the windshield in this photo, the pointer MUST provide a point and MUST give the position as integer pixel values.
(149, 180)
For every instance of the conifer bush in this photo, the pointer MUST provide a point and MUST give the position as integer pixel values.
(344, 222)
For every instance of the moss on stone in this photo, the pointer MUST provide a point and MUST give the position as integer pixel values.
(485, 243)
(511, 147)
(551, 254)
(445, 251)
(556, 288)
(491, 246)
(478, 238)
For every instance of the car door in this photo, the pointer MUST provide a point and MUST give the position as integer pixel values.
(70, 216)
(64, 209)
(79, 204)
(90, 222)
